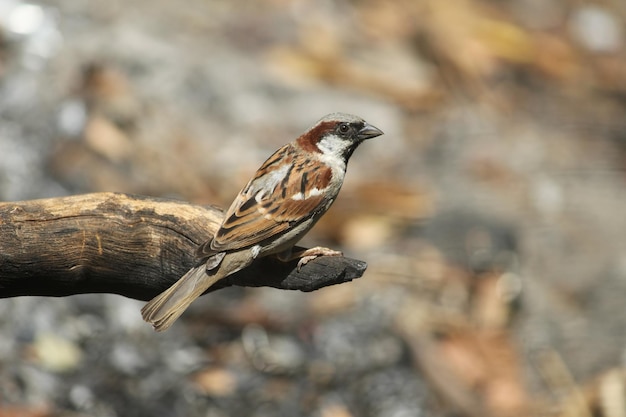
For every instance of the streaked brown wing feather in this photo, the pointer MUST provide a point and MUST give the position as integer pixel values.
(249, 222)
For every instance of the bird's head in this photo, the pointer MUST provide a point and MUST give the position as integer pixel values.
(337, 134)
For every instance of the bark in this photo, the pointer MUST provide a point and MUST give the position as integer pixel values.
(130, 245)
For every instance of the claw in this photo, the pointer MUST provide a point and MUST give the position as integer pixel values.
(305, 260)
(310, 254)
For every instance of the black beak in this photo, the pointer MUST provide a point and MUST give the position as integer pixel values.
(368, 132)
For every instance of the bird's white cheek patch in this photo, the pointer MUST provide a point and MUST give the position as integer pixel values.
(333, 145)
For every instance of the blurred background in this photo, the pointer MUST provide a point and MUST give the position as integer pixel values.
(492, 213)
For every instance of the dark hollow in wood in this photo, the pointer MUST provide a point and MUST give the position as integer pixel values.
(130, 245)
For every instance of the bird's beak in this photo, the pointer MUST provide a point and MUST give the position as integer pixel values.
(368, 132)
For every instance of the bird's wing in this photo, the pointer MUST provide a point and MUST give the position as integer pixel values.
(285, 191)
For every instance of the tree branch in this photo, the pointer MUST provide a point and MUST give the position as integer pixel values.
(129, 245)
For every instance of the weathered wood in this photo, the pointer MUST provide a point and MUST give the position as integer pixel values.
(129, 245)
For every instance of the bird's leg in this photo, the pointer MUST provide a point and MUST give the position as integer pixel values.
(307, 255)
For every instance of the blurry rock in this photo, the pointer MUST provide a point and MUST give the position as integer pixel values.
(272, 353)
(107, 92)
(104, 138)
(34, 28)
(24, 19)
(390, 393)
(56, 353)
(121, 313)
(82, 397)
(607, 393)
(185, 359)
(597, 29)
(546, 195)
(335, 410)
(126, 358)
(72, 117)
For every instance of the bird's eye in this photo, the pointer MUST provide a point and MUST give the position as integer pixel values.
(344, 128)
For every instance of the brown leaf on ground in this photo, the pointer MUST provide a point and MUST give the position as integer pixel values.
(216, 382)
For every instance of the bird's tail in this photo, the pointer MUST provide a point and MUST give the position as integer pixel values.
(165, 308)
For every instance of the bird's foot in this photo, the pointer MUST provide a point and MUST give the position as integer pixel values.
(309, 254)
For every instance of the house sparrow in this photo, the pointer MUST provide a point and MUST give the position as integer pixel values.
(280, 204)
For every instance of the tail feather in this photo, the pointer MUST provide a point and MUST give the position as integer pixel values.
(166, 307)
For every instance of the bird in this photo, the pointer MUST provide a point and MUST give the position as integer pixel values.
(284, 199)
